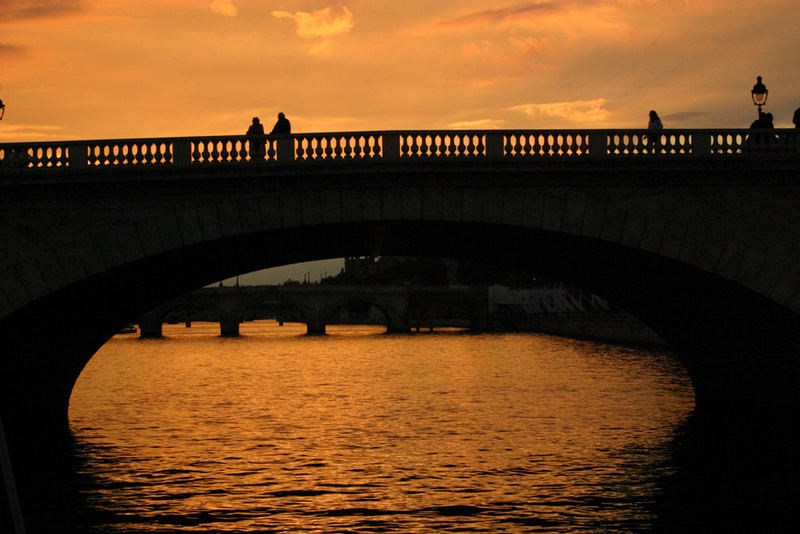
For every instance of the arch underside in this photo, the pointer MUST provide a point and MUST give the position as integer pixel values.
(717, 326)
(332, 308)
(317, 319)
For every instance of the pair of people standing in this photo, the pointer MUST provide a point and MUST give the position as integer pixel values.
(256, 129)
(764, 121)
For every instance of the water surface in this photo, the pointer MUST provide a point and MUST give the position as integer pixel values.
(359, 431)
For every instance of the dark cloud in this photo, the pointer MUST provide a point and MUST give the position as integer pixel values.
(12, 51)
(36, 9)
(681, 116)
(503, 14)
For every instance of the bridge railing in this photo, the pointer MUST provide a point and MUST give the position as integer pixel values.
(434, 145)
(335, 146)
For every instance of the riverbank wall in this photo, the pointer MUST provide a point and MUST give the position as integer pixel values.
(612, 327)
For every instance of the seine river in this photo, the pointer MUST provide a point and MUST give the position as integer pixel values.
(359, 431)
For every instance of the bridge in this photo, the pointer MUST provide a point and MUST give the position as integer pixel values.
(549, 308)
(696, 232)
(403, 307)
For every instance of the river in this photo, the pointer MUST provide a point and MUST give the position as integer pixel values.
(359, 431)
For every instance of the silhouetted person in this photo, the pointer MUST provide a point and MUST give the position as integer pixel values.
(768, 121)
(756, 124)
(282, 126)
(654, 124)
(763, 122)
(256, 134)
(256, 128)
(794, 139)
(655, 121)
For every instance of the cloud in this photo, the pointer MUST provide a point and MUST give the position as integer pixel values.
(485, 83)
(322, 23)
(681, 116)
(29, 132)
(576, 110)
(500, 58)
(530, 45)
(573, 18)
(10, 51)
(224, 7)
(36, 9)
(473, 50)
(522, 14)
(479, 124)
(500, 15)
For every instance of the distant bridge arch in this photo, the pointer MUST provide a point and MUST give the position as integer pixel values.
(699, 238)
(362, 304)
(319, 314)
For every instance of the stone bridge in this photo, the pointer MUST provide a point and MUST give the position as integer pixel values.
(696, 232)
(403, 307)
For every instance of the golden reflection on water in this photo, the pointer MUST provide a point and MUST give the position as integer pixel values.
(369, 432)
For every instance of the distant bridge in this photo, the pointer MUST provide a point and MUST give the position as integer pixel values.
(403, 307)
(696, 232)
(551, 309)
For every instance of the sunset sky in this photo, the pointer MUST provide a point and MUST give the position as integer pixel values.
(92, 69)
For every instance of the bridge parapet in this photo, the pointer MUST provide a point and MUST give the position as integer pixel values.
(402, 145)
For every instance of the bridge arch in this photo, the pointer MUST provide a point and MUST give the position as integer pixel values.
(393, 312)
(706, 254)
(697, 312)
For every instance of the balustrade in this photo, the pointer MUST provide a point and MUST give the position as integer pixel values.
(34, 155)
(231, 149)
(649, 143)
(135, 152)
(546, 144)
(442, 144)
(400, 146)
(728, 143)
(337, 146)
(756, 142)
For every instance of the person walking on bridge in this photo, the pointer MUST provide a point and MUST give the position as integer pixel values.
(282, 126)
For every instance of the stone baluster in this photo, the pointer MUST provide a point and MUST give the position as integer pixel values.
(285, 149)
(701, 145)
(598, 145)
(391, 146)
(495, 145)
(181, 152)
(77, 156)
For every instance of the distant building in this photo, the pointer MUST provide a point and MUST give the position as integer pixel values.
(359, 268)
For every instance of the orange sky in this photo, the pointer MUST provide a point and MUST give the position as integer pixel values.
(91, 69)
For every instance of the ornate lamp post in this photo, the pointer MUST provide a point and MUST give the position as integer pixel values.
(759, 94)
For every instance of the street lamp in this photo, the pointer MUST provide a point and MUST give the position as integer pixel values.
(759, 94)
